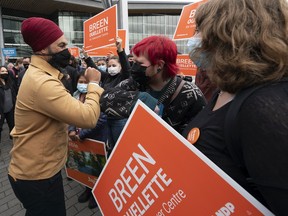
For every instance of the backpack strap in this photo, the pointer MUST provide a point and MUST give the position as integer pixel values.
(231, 133)
(177, 91)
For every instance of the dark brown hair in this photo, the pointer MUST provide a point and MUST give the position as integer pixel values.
(244, 42)
(114, 57)
(19, 61)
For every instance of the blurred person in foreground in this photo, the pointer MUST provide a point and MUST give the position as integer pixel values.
(245, 46)
(43, 110)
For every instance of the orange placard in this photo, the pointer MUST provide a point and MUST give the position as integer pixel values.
(104, 50)
(186, 25)
(101, 30)
(186, 65)
(86, 160)
(153, 170)
(74, 51)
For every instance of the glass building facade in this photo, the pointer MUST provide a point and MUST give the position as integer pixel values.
(140, 26)
(146, 25)
(12, 35)
(71, 24)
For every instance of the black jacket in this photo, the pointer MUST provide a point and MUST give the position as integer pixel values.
(9, 84)
(119, 101)
(70, 79)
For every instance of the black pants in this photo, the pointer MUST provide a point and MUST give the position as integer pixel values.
(41, 197)
(9, 116)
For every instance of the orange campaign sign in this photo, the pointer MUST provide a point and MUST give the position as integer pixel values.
(153, 170)
(186, 65)
(186, 25)
(74, 51)
(105, 50)
(101, 30)
(86, 160)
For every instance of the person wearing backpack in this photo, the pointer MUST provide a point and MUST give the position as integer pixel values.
(154, 81)
(243, 129)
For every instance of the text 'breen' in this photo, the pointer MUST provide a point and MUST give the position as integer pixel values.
(132, 175)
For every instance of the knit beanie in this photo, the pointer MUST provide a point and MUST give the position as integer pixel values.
(39, 33)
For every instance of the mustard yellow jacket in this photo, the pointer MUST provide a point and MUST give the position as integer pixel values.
(43, 110)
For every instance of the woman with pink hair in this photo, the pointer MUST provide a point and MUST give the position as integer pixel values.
(154, 80)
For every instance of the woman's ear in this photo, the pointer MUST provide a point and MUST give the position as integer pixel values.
(160, 66)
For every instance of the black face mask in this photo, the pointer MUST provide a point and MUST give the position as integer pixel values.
(131, 63)
(26, 66)
(138, 74)
(60, 59)
(4, 76)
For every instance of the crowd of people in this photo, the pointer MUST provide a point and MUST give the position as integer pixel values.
(238, 102)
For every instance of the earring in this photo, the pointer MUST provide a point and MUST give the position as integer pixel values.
(158, 70)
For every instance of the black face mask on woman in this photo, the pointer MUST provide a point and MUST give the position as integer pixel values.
(138, 74)
(4, 76)
(60, 59)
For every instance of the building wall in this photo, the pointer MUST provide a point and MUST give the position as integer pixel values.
(140, 26)
(145, 25)
(12, 35)
(71, 24)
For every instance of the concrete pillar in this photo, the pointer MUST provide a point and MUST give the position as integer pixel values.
(122, 7)
(1, 38)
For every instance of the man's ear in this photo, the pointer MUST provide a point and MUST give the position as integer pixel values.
(45, 51)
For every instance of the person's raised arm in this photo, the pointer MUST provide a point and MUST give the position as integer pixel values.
(123, 58)
(55, 102)
(87, 59)
(90, 63)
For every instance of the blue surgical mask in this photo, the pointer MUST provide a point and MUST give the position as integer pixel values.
(193, 43)
(82, 87)
(102, 67)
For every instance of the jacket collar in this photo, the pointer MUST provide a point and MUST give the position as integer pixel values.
(43, 65)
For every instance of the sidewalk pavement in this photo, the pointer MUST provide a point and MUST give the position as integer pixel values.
(10, 205)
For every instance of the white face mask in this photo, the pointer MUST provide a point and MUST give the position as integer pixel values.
(113, 70)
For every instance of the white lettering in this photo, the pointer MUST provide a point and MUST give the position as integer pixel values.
(139, 158)
(116, 200)
(99, 24)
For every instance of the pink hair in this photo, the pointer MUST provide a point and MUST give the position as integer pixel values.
(156, 48)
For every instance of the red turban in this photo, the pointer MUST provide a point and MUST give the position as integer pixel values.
(39, 33)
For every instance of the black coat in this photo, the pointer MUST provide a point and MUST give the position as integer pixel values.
(70, 79)
(119, 101)
(9, 84)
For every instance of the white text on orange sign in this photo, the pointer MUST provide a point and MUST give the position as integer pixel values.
(172, 203)
(98, 27)
(123, 189)
(226, 210)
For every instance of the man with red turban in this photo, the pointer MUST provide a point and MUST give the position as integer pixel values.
(43, 110)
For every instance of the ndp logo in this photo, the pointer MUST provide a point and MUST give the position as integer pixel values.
(226, 210)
